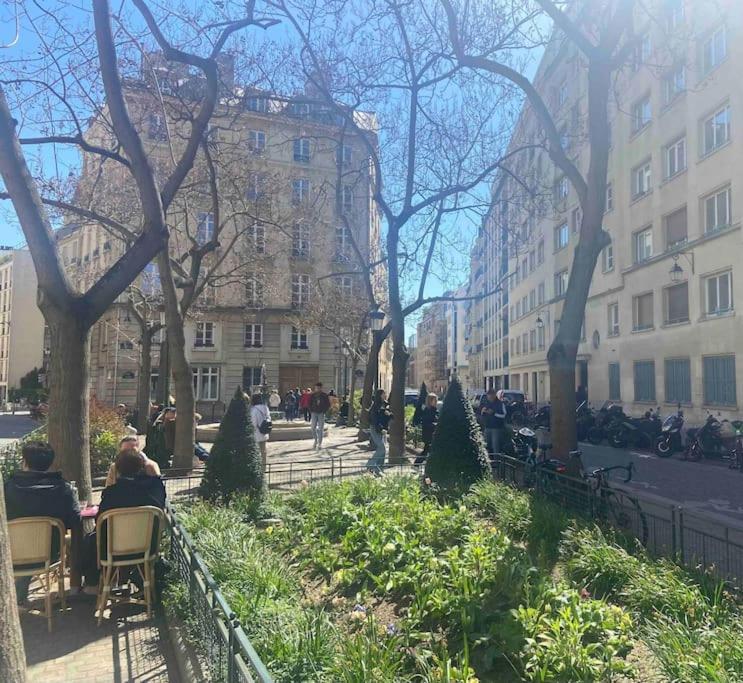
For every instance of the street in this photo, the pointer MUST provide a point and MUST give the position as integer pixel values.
(13, 427)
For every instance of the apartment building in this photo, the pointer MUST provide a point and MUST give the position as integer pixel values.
(411, 380)
(457, 363)
(661, 326)
(295, 191)
(21, 321)
(431, 350)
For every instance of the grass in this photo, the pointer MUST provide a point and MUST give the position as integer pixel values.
(376, 580)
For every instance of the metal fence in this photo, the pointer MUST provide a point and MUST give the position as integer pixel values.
(227, 652)
(696, 540)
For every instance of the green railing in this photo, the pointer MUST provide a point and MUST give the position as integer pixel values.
(225, 648)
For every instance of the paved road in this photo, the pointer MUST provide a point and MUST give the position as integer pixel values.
(707, 486)
(13, 427)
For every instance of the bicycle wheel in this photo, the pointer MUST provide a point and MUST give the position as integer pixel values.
(625, 513)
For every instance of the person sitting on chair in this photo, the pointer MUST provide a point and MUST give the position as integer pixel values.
(33, 491)
(150, 466)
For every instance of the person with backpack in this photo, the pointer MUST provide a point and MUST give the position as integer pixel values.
(318, 406)
(379, 422)
(261, 419)
(290, 405)
(429, 420)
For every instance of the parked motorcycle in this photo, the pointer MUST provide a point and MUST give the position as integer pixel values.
(669, 441)
(634, 432)
(524, 443)
(736, 456)
(707, 441)
(584, 420)
(605, 416)
(541, 418)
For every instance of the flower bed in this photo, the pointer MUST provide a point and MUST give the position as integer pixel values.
(375, 581)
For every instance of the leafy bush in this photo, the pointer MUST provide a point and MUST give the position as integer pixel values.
(104, 446)
(572, 639)
(234, 464)
(458, 457)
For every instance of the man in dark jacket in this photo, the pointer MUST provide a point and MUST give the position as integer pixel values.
(35, 492)
(133, 488)
(319, 405)
(493, 415)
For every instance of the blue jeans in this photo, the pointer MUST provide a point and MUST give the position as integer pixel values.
(376, 462)
(493, 438)
(317, 427)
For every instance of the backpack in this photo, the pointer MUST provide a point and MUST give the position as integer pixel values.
(265, 427)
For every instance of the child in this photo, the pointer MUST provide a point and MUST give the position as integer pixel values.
(429, 420)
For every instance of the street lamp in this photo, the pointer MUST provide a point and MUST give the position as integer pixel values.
(540, 322)
(376, 319)
(676, 271)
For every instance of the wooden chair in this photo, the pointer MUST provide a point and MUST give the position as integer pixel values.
(31, 554)
(126, 539)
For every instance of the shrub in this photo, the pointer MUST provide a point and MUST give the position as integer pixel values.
(458, 458)
(104, 446)
(234, 464)
(572, 639)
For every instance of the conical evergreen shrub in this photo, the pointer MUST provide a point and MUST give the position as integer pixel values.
(419, 405)
(234, 464)
(458, 457)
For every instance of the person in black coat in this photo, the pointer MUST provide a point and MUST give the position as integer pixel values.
(35, 492)
(429, 420)
(133, 488)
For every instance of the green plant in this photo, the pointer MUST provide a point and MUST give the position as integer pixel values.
(234, 464)
(104, 446)
(458, 457)
(572, 639)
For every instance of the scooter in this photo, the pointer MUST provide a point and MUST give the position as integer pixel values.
(635, 432)
(707, 441)
(669, 441)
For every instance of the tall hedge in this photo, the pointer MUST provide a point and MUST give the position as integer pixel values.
(457, 458)
(234, 464)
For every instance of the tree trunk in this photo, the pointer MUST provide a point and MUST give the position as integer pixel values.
(68, 424)
(370, 379)
(162, 391)
(352, 391)
(12, 655)
(143, 384)
(400, 357)
(184, 401)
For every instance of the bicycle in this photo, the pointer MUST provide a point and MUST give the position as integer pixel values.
(617, 507)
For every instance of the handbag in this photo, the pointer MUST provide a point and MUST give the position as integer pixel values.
(265, 427)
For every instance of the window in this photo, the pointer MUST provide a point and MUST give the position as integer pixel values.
(562, 189)
(614, 382)
(675, 157)
(642, 311)
(719, 380)
(613, 314)
(719, 293)
(344, 155)
(641, 114)
(206, 383)
(257, 141)
(300, 190)
(347, 198)
(525, 304)
(717, 210)
(641, 180)
(300, 290)
(345, 286)
(716, 130)
(150, 283)
(532, 299)
(540, 338)
(641, 52)
(524, 269)
(564, 139)
(253, 336)
(300, 109)
(562, 94)
(302, 150)
(609, 197)
(518, 309)
(253, 292)
(252, 378)
(576, 216)
(607, 258)
(540, 252)
(255, 103)
(645, 381)
(205, 227)
(343, 243)
(674, 83)
(561, 236)
(677, 303)
(532, 261)
(561, 283)
(299, 339)
(532, 340)
(540, 294)
(714, 49)
(643, 245)
(678, 380)
(675, 228)
(204, 334)
(254, 190)
(301, 241)
(156, 128)
(257, 237)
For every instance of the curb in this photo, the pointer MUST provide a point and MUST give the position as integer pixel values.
(186, 661)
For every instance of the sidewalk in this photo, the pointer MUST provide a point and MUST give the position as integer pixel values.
(126, 648)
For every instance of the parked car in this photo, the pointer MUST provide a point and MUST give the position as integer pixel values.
(411, 397)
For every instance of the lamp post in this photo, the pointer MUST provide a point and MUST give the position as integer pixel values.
(677, 272)
(539, 322)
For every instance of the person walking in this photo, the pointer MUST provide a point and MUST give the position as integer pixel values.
(494, 420)
(274, 400)
(379, 420)
(261, 419)
(304, 403)
(290, 405)
(319, 404)
(429, 420)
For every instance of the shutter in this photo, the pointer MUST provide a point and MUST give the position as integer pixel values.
(678, 380)
(676, 227)
(614, 387)
(678, 303)
(719, 380)
(645, 381)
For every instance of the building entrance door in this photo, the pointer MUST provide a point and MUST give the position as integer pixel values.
(583, 375)
(301, 376)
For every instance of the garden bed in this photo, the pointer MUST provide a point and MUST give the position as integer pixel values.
(373, 580)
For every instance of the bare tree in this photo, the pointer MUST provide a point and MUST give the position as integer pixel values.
(603, 33)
